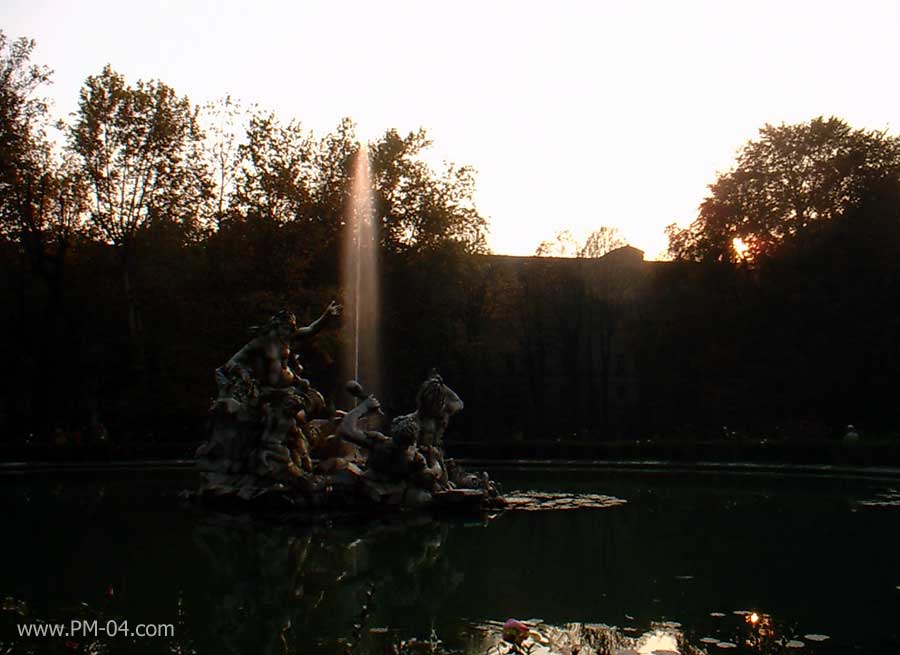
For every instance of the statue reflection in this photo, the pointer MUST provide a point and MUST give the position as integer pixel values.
(279, 588)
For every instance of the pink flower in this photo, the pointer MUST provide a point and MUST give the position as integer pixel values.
(515, 632)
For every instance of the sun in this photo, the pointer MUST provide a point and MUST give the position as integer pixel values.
(740, 247)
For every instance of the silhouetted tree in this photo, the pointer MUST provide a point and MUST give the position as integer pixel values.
(22, 116)
(224, 125)
(421, 209)
(599, 242)
(785, 184)
(138, 150)
(277, 182)
(42, 201)
(429, 226)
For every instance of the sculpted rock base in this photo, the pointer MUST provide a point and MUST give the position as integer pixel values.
(272, 444)
(348, 490)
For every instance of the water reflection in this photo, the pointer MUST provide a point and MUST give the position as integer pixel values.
(691, 552)
(757, 636)
(271, 586)
(580, 639)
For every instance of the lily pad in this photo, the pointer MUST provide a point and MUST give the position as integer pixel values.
(531, 501)
(726, 644)
(816, 637)
(793, 643)
(718, 615)
(709, 640)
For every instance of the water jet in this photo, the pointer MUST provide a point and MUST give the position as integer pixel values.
(359, 278)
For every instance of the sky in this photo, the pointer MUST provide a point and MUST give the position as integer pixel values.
(575, 114)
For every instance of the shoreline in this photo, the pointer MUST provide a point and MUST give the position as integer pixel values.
(628, 466)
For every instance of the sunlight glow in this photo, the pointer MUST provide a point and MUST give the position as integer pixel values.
(575, 114)
(740, 247)
(366, 133)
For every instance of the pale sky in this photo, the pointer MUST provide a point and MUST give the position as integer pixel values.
(575, 114)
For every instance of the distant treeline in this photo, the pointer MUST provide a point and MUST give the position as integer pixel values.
(136, 256)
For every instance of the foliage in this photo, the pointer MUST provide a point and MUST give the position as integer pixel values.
(599, 242)
(420, 209)
(41, 201)
(137, 147)
(207, 234)
(277, 180)
(22, 116)
(224, 122)
(785, 185)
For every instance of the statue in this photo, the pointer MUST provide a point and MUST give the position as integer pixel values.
(262, 403)
(271, 438)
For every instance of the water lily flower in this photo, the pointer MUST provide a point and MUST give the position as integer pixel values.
(515, 632)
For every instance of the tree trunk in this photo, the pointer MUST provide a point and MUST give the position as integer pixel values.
(136, 342)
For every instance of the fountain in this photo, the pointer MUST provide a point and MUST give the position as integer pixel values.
(360, 277)
(272, 441)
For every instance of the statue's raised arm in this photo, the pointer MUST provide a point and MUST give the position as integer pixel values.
(333, 310)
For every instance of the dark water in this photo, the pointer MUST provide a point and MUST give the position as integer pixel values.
(806, 554)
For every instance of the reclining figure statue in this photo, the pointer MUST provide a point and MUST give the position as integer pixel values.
(413, 455)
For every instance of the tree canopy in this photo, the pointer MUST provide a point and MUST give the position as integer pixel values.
(22, 114)
(193, 225)
(189, 223)
(599, 242)
(137, 147)
(42, 197)
(788, 183)
(422, 209)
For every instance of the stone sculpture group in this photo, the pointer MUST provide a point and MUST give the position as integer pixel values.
(273, 440)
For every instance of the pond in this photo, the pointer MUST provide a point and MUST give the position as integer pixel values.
(692, 562)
